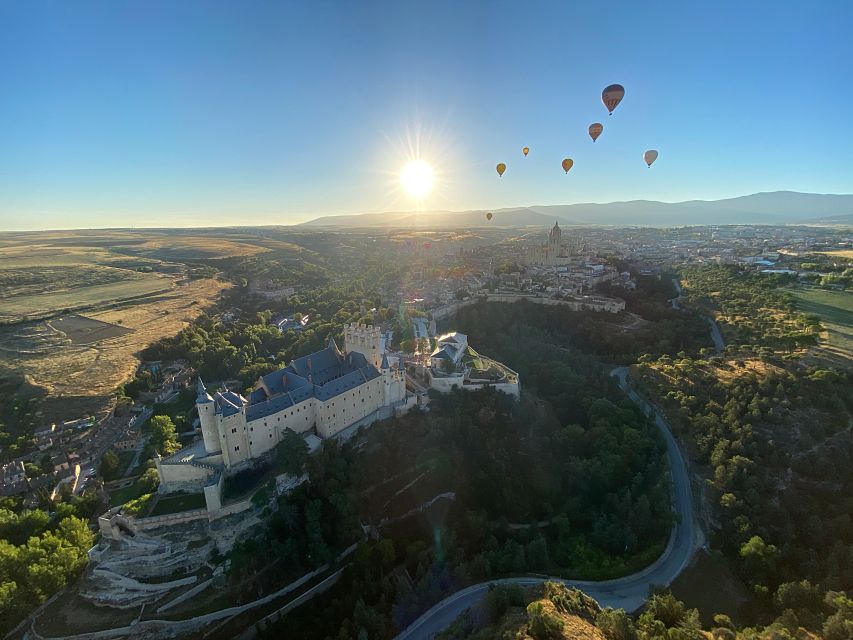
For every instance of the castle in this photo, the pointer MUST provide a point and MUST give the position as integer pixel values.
(323, 393)
(455, 365)
(552, 254)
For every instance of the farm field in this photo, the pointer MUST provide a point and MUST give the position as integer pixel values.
(835, 309)
(77, 307)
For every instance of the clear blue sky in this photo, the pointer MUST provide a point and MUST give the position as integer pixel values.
(187, 113)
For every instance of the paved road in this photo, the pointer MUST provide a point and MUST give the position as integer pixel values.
(716, 336)
(628, 593)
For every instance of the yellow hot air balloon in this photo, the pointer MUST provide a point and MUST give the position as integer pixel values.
(525, 151)
(501, 168)
(595, 130)
(567, 164)
(612, 96)
(489, 216)
(650, 156)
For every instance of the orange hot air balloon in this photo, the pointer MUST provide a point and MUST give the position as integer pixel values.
(525, 151)
(595, 130)
(612, 96)
(489, 216)
(567, 164)
(501, 168)
(650, 156)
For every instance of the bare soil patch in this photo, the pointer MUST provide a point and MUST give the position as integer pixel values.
(83, 331)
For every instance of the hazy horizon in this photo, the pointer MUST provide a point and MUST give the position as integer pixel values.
(279, 114)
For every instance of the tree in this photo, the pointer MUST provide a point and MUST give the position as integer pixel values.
(615, 624)
(839, 626)
(149, 480)
(387, 554)
(109, 465)
(759, 557)
(544, 622)
(46, 464)
(164, 435)
(291, 453)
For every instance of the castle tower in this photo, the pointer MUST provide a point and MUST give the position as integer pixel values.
(364, 339)
(207, 418)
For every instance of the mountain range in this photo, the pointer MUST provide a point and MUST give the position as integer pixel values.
(777, 207)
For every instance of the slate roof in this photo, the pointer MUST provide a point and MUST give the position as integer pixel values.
(228, 403)
(322, 375)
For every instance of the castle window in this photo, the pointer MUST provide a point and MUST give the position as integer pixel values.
(270, 435)
(234, 430)
(237, 448)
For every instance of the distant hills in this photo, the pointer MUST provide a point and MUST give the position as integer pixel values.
(777, 207)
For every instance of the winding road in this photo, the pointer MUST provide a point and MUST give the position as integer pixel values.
(628, 593)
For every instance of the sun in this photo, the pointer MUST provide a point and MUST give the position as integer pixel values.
(417, 178)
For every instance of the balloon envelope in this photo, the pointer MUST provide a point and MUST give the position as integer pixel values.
(650, 156)
(595, 130)
(488, 216)
(526, 150)
(501, 168)
(567, 164)
(612, 96)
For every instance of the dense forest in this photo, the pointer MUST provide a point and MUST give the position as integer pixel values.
(40, 552)
(772, 436)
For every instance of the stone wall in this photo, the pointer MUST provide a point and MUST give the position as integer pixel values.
(589, 303)
(182, 476)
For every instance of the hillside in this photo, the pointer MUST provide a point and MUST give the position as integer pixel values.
(778, 207)
(553, 611)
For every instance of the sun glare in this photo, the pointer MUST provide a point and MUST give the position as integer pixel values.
(416, 178)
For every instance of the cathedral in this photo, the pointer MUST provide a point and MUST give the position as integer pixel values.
(552, 254)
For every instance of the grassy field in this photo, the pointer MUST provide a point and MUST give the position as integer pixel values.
(77, 307)
(835, 309)
(178, 503)
(841, 253)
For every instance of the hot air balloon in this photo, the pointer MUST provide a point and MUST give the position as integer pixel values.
(525, 151)
(489, 216)
(650, 156)
(567, 164)
(595, 130)
(612, 96)
(501, 168)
